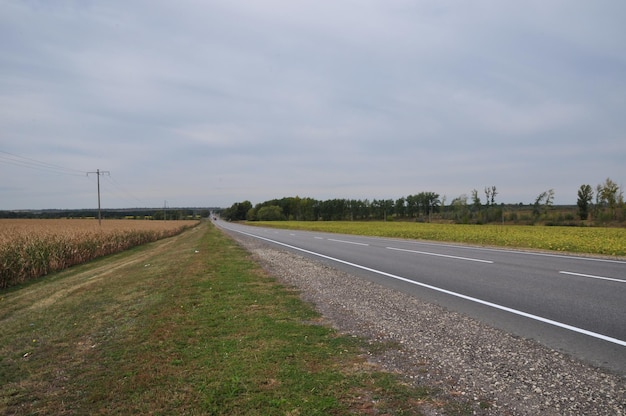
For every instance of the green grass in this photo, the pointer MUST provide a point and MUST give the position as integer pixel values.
(188, 325)
(590, 240)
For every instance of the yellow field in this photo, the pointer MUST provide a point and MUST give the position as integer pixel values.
(33, 248)
(591, 240)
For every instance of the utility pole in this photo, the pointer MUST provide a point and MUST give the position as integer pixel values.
(99, 173)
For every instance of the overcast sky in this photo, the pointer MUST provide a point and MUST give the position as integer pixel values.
(209, 102)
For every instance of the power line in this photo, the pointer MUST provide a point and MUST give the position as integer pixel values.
(26, 162)
(124, 191)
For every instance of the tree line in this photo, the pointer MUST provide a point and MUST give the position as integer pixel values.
(309, 209)
(122, 213)
(609, 201)
(605, 204)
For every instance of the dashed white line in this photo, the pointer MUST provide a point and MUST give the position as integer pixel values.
(612, 279)
(451, 293)
(348, 242)
(426, 253)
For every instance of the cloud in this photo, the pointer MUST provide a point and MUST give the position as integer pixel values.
(211, 103)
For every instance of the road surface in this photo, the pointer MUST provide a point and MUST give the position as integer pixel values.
(572, 304)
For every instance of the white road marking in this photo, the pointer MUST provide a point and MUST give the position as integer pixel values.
(440, 255)
(348, 242)
(594, 277)
(451, 293)
(319, 238)
(514, 251)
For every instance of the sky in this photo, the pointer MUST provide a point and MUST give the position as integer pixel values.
(203, 103)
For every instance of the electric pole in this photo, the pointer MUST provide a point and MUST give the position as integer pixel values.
(99, 173)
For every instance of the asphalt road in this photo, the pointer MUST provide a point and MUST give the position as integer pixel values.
(576, 305)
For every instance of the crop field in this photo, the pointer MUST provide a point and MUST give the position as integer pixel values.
(590, 240)
(190, 325)
(33, 248)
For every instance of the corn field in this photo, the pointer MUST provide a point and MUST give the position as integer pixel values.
(33, 248)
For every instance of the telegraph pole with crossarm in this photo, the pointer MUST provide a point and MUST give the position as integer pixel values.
(98, 172)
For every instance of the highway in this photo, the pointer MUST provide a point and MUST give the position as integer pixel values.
(575, 305)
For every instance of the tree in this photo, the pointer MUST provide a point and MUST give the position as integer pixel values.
(549, 199)
(476, 200)
(270, 213)
(378, 209)
(251, 215)
(459, 201)
(431, 202)
(307, 209)
(412, 205)
(621, 204)
(400, 207)
(610, 195)
(388, 207)
(381, 208)
(238, 211)
(585, 196)
(543, 202)
(537, 204)
(490, 195)
(459, 208)
(599, 202)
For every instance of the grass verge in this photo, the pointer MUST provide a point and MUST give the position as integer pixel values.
(187, 325)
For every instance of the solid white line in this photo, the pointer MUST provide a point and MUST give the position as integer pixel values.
(594, 277)
(348, 242)
(440, 255)
(448, 292)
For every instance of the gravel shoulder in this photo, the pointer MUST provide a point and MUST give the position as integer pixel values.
(494, 372)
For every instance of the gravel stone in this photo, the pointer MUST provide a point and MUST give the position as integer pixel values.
(489, 370)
